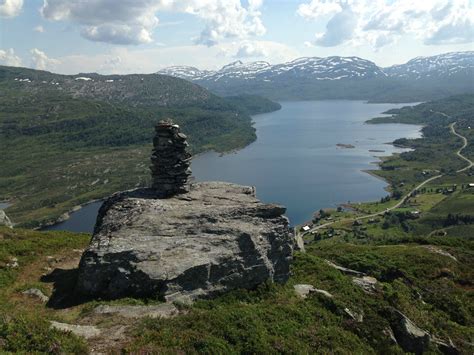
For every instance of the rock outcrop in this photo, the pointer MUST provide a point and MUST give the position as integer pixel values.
(164, 310)
(36, 293)
(215, 238)
(413, 339)
(410, 338)
(85, 331)
(4, 220)
(304, 290)
(182, 241)
(367, 283)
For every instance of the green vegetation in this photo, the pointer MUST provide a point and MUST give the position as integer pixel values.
(435, 152)
(32, 334)
(77, 141)
(253, 104)
(23, 325)
(433, 290)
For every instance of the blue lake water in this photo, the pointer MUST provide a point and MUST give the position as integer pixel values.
(82, 220)
(296, 162)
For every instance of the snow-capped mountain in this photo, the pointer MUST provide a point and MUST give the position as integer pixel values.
(440, 65)
(184, 72)
(330, 68)
(240, 71)
(308, 78)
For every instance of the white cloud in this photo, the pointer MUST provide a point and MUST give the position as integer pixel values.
(118, 22)
(225, 19)
(41, 61)
(262, 50)
(8, 57)
(251, 49)
(133, 21)
(382, 22)
(316, 9)
(117, 34)
(10, 8)
(39, 29)
(338, 29)
(110, 64)
(129, 60)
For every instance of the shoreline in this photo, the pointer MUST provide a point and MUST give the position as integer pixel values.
(371, 173)
(378, 163)
(66, 215)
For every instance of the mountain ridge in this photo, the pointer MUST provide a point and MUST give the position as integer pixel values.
(337, 77)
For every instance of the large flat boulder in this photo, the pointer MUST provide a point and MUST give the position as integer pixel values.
(214, 238)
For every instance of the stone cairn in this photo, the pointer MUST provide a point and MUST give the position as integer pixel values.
(170, 160)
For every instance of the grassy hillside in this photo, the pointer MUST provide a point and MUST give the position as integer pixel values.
(254, 104)
(431, 289)
(68, 141)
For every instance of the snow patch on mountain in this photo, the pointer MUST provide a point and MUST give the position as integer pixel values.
(328, 68)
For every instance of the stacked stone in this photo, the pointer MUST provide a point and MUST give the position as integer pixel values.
(170, 160)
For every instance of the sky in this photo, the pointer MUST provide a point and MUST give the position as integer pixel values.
(144, 36)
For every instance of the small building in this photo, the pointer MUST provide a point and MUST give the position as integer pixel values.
(471, 184)
(306, 228)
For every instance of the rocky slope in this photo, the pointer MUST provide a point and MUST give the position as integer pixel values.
(216, 238)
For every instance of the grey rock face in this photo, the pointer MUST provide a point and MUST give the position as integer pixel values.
(34, 292)
(367, 283)
(4, 220)
(410, 338)
(344, 270)
(85, 331)
(170, 160)
(164, 310)
(215, 238)
(304, 290)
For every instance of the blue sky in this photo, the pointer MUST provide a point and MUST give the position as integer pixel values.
(126, 36)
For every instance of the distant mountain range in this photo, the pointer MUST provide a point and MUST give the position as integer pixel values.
(419, 79)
